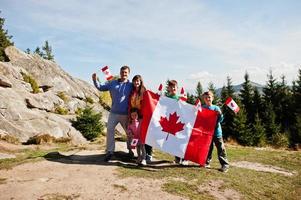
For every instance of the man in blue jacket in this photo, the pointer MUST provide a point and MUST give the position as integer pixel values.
(120, 91)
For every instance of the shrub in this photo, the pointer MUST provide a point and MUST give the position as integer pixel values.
(63, 96)
(10, 139)
(61, 110)
(88, 123)
(280, 140)
(89, 100)
(34, 85)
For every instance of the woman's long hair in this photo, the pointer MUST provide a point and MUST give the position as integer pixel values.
(141, 88)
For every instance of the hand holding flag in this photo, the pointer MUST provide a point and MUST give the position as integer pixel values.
(183, 96)
(232, 104)
(160, 89)
(107, 73)
(198, 105)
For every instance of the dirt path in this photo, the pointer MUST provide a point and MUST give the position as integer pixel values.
(84, 176)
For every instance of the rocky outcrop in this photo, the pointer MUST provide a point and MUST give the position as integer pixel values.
(24, 114)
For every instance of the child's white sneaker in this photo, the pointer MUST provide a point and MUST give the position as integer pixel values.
(143, 162)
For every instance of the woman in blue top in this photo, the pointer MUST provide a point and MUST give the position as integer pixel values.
(120, 91)
(218, 136)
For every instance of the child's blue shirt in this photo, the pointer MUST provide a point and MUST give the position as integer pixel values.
(218, 130)
(120, 93)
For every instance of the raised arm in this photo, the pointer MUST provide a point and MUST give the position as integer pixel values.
(100, 87)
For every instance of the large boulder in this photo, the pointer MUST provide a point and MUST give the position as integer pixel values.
(24, 114)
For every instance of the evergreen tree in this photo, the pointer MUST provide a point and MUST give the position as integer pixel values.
(166, 86)
(89, 123)
(284, 108)
(295, 130)
(47, 51)
(258, 104)
(259, 138)
(199, 91)
(190, 98)
(228, 127)
(242, 130)
(4, 41)
(39, 52)
(270, 121)
(270, 90)
(246, 96)
(27, 51)
(212, 88)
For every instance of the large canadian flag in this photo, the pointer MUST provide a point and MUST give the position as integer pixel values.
(176, 127)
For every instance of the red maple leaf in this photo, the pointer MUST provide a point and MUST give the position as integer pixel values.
(171, 126)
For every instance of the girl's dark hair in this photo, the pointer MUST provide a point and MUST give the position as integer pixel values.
(132, 110)
(141, 87)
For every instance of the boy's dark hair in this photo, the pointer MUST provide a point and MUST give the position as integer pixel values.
(209, 92)
(172, 83)
(125, 67)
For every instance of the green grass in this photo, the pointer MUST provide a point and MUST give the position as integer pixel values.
(250, 184)
(31, 155)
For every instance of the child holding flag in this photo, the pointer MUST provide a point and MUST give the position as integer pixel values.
(133, 134)
(218, 137)
(172, 90)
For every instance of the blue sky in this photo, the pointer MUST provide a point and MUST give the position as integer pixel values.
(186, 40)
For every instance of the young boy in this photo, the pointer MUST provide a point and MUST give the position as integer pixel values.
(172, 93)
(218, 136)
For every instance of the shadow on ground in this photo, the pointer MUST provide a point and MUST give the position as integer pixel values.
(119, 159)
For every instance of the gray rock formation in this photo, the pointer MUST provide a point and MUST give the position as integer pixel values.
(24, 114)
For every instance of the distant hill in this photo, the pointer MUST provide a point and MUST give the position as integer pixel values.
(237, 88)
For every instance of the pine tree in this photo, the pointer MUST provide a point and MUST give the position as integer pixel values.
(259, 138)
(190, 98)
(39, 52)
(270, 90)
(284, 106)
(4, 40)
(295, 130)
(242, 130)
(270, 124)
(212, 88)
(27, 51)
(246, 96)
(258, 103)
(199, 91)
(89, 123)
(166, 86)
(47, 51)
(228, 127)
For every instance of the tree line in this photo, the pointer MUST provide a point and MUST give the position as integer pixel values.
(271, 117)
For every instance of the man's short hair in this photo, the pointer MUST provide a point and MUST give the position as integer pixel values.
(125, 67)
(172, 83)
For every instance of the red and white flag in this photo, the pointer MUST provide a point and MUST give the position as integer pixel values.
(107, 73)
(160, 89)
(176, 127)
(198, 104)
(232, 104)
(183, 96)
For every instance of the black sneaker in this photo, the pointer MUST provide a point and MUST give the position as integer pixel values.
(108, 157)
(224, 168)
(131, 154)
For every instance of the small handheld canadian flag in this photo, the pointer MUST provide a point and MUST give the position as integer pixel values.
(183, 96)
(160, 89)
(198, 105)
(107, 73)
(232, 104)
(134, 143)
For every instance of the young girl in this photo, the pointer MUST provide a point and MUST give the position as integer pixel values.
(136, 99)
(133, 132)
